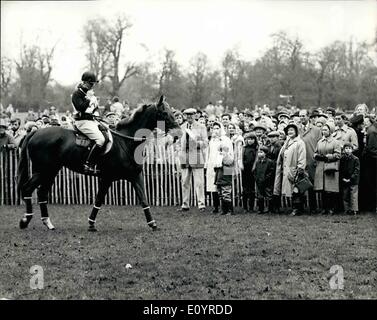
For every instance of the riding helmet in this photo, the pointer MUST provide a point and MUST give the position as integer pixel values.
(89, 76)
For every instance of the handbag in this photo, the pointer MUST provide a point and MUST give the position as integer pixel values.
(331, 167)
(302, 183)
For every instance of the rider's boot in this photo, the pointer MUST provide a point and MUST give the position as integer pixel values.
(89, 166)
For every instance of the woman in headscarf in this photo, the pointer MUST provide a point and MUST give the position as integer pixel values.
(212, 161)
(326, 179)
(234, 133)
(290, 163)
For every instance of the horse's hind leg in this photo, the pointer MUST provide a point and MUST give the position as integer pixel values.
(42, 199)
(26, 193)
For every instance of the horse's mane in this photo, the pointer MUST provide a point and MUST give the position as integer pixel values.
(136, 114)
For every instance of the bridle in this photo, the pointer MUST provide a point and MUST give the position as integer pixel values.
(117, 133)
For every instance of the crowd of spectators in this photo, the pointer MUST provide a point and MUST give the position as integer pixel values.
(274, 150)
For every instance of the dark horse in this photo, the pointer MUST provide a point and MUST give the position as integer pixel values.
(52, 148)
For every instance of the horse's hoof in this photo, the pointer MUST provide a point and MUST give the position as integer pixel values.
(23, 223)
(155, 228)
(92, 229)
(48, 224)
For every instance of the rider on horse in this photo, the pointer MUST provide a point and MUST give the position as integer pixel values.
(85, 104)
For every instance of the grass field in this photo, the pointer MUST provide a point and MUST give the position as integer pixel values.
(194, 255)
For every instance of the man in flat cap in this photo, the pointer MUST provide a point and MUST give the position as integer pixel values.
(344, 133)
(194, 141)
(310, 134)
(6, 140)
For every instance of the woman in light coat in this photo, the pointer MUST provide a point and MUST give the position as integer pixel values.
(291, 160)
(214, 160)
(235, 135)
(328, 151)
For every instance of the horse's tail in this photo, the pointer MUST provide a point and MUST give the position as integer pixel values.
(23, 162)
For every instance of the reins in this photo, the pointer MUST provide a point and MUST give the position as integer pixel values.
(135, 139)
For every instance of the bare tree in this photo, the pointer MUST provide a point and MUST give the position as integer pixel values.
(105, 43)
(6, 77)
(34, 68)
(197, 77)
(98, 54)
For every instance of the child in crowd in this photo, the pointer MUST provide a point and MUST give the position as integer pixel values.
(264, 178)
(224, 175)
(249, 155)
(349, 170)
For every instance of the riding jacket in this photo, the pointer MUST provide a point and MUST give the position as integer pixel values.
(81, 103)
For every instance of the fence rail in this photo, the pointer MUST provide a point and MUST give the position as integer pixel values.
(161, 176)
(162, 180)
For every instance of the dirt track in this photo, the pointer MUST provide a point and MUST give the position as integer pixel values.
(194, 256)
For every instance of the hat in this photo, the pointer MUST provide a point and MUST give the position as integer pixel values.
(190, 111)
(296, 114)
(283, 121)
(89, 76)
(283, 114)
(321, 120)
(348, 144)
(331, 109)
(249, 135)
(264, 149)
(358, 119)
(323, 115)
(273, 134)
(315, 113)
(291, 125)
(260, 126)
(110, 113)
(331, 126)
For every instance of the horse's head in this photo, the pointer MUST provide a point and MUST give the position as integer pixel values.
(166, 118)
(148, 117)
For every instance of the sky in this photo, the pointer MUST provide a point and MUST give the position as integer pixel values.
(186, 26)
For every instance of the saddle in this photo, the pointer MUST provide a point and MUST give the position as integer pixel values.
(83, 141)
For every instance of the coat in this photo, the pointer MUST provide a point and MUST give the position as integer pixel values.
(213, 157)
(325, 181)
(292, 157)
(349, 168)
(264, 173)
(238, 144)
(311, 136)
(225, 165)
(274, 150)
(194, 155)
(370, 149)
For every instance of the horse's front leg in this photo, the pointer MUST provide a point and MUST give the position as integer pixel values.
(138, 185)
(103, 187)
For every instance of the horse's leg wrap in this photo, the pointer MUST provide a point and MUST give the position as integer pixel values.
(44, 210)
(24, 222)
(93, 214)
(148, 216)
(29, 206)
